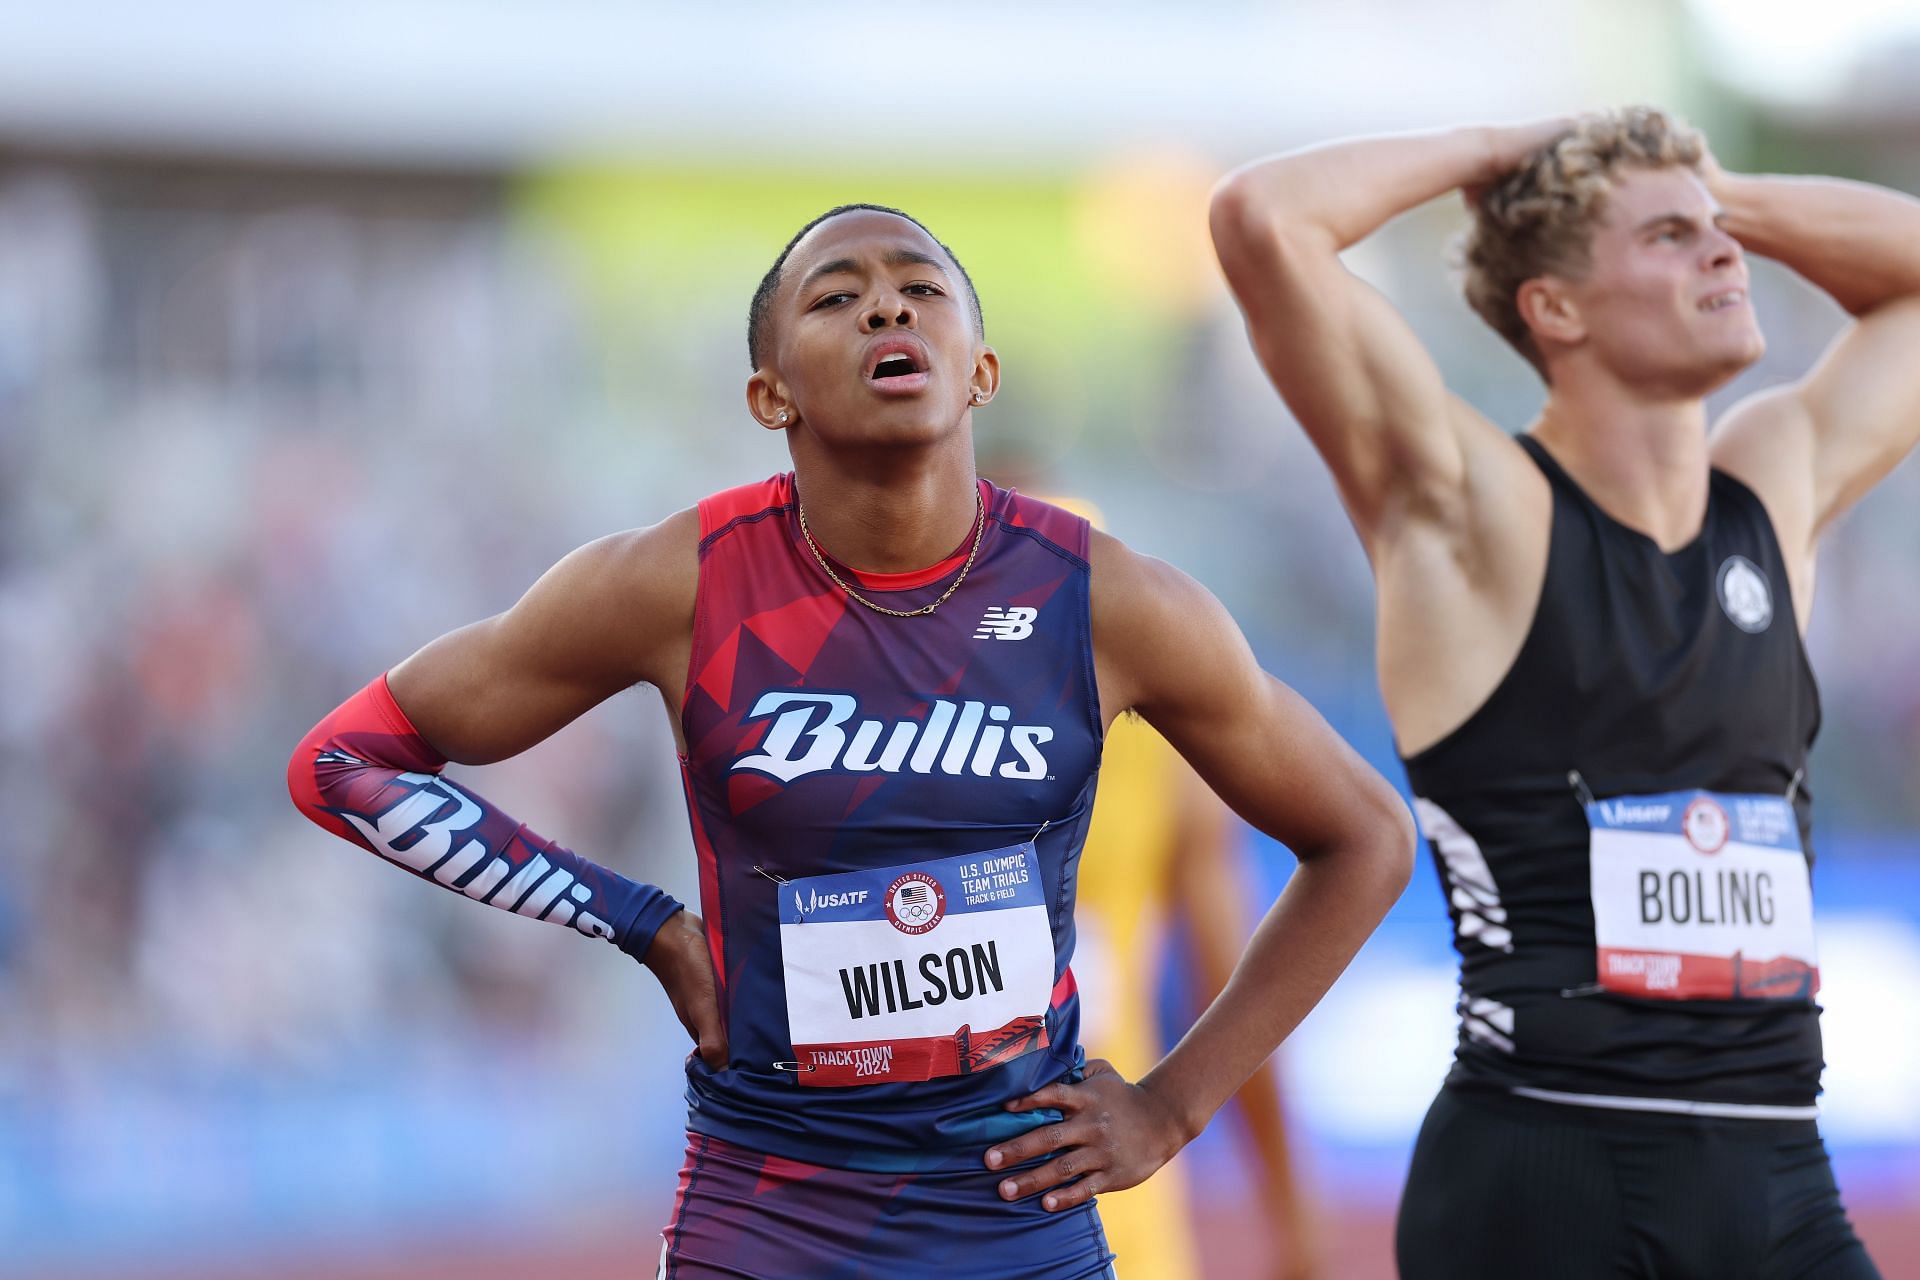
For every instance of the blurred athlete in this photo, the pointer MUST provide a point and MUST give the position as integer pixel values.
(889, 681)
(1160, 862)
(1590, 648)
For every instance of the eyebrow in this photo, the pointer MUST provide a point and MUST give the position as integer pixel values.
(892, 258)
(1682, 219)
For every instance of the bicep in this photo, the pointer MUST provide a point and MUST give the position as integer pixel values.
(594, 624)
(1862, 406)
(1347, 364)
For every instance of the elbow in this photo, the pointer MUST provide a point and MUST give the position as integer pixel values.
(300, 785)
(1241, 216)
(303, 781)
(1406, 838)
(1373, 848)
(1231, 208)
(1390, 840)
(1256, 235)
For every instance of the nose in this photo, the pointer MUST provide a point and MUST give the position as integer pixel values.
(1722, 249)
(889, 308)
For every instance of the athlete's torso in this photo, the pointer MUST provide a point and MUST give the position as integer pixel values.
(825, 739)
(1643, 673)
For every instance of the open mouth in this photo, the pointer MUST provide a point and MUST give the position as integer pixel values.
(900, 366)
(1723, 300)
(897, 365)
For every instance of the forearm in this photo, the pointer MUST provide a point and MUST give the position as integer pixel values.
(367, 775)
(1330, 906)
(1350, 189)
(1857, 242)
(1206, 885)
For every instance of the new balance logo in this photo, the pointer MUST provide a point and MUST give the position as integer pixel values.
(1006, 622)
(812, 732)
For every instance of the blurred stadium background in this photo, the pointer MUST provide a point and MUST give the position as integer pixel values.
(325, 328)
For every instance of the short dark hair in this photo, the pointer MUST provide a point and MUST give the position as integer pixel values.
(762, 305)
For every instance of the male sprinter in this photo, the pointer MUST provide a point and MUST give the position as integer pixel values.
(1590, 649)
(890, 681)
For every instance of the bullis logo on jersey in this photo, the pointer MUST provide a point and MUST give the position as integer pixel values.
(814, 732)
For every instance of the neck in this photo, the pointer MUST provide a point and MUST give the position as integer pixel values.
(888, 511)
(1641, 456)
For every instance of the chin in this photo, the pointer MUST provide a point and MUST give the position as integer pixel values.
(903, 428)
(1745, 354)
(1720, 363)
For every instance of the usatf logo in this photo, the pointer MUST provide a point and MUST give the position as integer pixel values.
(815, 900)
(916, 902)
(1006, 622)
(811, 732)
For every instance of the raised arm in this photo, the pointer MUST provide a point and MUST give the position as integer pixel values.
(1813, 448)
(1344, 360)
(1164, 647)
(613, 613)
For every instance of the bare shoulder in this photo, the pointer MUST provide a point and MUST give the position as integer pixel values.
(1134, 596)
(637, 588)
(1159, 637)
(656, 567)
(1766, 442)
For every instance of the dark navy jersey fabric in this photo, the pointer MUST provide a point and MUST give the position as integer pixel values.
(985, 734)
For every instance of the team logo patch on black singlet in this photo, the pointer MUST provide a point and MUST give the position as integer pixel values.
(1745, 595)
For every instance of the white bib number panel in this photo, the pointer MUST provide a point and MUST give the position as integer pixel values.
(1701, 896)
(912, 972)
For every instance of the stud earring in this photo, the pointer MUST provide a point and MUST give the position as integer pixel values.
(783, 415)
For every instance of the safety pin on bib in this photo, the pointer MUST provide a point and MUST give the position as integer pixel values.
(1584, 793)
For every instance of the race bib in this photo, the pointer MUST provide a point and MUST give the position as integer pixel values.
(1701, 896)
(907, 973)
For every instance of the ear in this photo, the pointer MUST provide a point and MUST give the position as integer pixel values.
(1548, 308)
(769, 403)
(984, 382)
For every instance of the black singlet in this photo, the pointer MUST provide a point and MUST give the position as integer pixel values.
(1643, 672)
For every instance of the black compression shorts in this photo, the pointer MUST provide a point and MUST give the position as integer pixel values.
(1509, 1188)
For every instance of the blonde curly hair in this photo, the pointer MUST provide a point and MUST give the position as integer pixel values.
(1538, 220)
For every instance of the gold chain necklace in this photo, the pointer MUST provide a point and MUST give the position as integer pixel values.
(980, 531)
